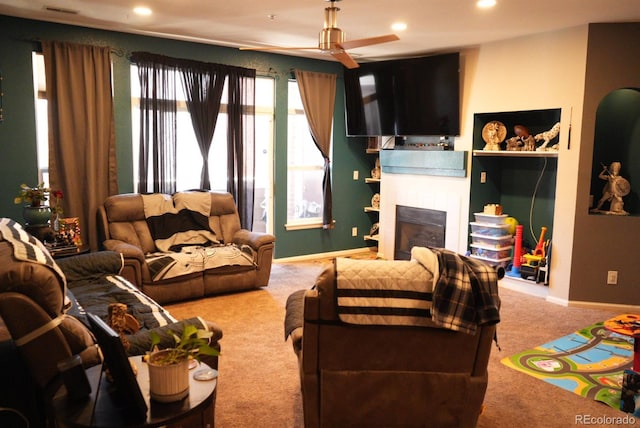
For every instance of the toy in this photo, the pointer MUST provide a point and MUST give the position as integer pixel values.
(517, 253)
(536, 260)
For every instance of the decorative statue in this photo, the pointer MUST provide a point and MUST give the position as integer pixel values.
(547, 136)
(493, 133)
(375, 201)
(614, 190)
(522, 141)
(376, 172)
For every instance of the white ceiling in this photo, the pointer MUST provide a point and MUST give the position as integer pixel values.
(433, 25)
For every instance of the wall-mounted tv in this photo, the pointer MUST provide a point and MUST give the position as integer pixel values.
(416, 96)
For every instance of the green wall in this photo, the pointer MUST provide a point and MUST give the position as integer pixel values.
(18, 39)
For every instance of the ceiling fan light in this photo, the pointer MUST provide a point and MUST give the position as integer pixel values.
(399, 26)
(142, 11)
(486, 4)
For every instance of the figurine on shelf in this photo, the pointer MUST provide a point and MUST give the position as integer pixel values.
(528, 141)
(375, 201)
(547, 136)
(493, 134)
(613, 191)
(376, 172)
(514, 144)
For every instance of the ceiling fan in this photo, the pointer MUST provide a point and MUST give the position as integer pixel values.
(332, 39)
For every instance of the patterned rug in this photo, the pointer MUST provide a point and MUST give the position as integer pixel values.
(589, 362)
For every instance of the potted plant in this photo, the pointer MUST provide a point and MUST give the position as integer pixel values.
(169, 368)
(35, 211)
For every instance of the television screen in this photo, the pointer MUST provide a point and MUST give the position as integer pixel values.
(417, 96)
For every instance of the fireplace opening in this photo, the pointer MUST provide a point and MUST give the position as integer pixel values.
(419, 227)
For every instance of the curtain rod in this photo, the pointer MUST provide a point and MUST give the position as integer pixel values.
(116, 51)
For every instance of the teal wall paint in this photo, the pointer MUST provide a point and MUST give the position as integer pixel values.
(18, 39)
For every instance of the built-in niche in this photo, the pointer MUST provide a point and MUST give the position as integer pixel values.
(524, 183)
(617, 139)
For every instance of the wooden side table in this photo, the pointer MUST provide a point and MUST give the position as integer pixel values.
(100, 409)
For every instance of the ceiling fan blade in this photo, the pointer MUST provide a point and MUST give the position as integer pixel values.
(345, 59)
(352, 44)
(278, 48)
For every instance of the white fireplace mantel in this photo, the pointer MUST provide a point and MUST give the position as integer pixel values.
(448, 194)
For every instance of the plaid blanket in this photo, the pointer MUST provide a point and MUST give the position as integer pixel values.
(466, 293)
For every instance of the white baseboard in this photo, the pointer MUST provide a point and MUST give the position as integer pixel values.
(329, 255)
(524, 286)
(617, 307)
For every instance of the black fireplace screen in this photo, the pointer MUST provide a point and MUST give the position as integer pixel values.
(419, 227)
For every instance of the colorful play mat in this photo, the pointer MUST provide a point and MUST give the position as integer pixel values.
(589, 362)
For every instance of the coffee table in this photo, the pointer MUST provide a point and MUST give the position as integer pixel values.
(101, 410)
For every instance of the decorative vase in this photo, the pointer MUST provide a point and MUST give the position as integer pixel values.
(168, 382)
(36, 216)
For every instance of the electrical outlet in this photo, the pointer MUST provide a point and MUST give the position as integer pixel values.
(354, 231)
(356, 175)
(612, 277)
(483, 177)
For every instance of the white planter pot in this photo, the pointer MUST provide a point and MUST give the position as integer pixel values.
(168, 383)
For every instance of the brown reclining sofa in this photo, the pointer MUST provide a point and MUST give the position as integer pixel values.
(123, 226)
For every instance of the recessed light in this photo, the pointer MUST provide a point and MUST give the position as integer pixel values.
(142, 11)
(399, 26)
(485, 4)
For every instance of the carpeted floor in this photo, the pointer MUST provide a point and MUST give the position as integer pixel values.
(259, 385)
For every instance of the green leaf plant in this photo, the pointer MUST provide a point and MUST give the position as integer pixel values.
(193, 343)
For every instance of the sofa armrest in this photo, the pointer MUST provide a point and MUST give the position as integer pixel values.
(135, 267)
(263, 245)
(91, 265)
(128, 251)
(254, 239)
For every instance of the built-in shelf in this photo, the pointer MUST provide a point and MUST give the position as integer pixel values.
(371, 209)
(371, 180)
(371, 151)
(515, 154)
(372, 237)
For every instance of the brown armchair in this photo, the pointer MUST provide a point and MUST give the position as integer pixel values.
(386, 376)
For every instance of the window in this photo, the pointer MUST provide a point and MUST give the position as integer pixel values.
(189, 160)
(305, 168)
(42, 125)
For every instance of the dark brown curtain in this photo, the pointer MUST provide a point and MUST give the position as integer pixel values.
(203, 88)
(241, 142)
(82, 159)
(158, 124)
(318, 94)
(201, 82)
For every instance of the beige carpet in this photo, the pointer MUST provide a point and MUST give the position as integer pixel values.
(259, 385)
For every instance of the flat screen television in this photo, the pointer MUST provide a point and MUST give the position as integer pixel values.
(416, 96)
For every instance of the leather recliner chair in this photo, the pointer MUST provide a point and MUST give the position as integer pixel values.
(386, 376)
